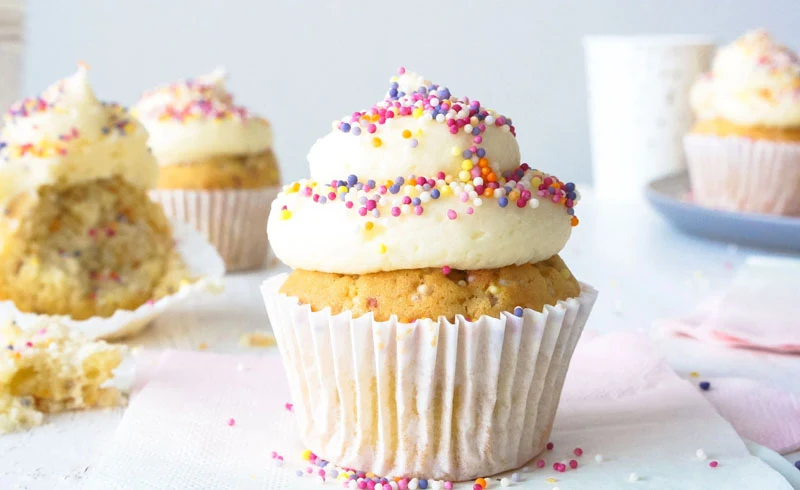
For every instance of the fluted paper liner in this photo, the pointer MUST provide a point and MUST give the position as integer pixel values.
(202, 262)
(428, 399)
(740, 174)
(234, 220)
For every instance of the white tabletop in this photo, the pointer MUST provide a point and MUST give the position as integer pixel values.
(643, 268)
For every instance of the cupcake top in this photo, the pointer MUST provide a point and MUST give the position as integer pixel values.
(66, 136)
(754, 81)
(421, 179)
(197, 119)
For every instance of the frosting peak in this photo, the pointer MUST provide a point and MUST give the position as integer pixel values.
(197, 119)
(67, 135)
(422, 179)
(754, 81)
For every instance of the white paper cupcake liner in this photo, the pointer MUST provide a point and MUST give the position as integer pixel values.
(203, 263)
(234, 220)
(430, 399)
(739, 174)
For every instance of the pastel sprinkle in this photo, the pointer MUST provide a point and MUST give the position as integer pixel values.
(704, 385)
(713, 464)
(633, 477)
(231, 422)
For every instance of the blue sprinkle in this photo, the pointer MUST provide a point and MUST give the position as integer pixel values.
(400, 181)
(570, 211)
(705, 385)
(393, 92)
(518, 311)
(323, 199)
(551, 190)
(443, 93)
(503, 201)
(571, 195)
(371, 183)
(345, 127)
(569, 187)
(423, 484)
(401, 94)
(299, 472)
(10, 347)
(515, 477)
(394, 189)
(352, 180)
(476, 131)
(333, 473)
(435, 194)
(416, 201)
(356, 131)
(797, 464)
(508, 189)
(106, 130)
(466, 154)
(362, 200)
(323, 464)
(394, 85)
(481, 152)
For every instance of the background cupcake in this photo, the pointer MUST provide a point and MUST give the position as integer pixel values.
(744, 151)
(78, 234)
(429, 322)
(218, 171)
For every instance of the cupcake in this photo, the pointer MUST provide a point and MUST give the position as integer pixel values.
(218, 170)
(79, 236)
(743, 152)
(428, 323)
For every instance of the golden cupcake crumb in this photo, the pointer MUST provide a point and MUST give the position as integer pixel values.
(724, 128)
(429, 293)
(222, 172)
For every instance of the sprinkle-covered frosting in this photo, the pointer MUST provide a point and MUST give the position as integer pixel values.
(67, 135)
(421, 179)
(754, 81)
(197, 119)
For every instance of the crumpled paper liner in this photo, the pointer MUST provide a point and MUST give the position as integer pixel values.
(203, 263)
(739, 174)
(437, 399)
(234, 220)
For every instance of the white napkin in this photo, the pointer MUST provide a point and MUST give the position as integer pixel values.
(211, 422)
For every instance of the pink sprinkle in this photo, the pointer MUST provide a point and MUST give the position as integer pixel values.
(418, 210)
(231, 422)
(363, 484)
(463, 197)
(440, 175)
(452, 214)
(289, 407)
(454, 130)
(556, 198)
(478, 139)
(560, 467)
(401, 70)
(573, 464)
(550, 446)
(470, 210)
(395, 211)
(713, 464)
(540, 463)
(349, 204)
(274, 455)
(321, 473)
(448, 485)
(446, 270)
(578, 451)
(371, 128)
(477, 487)
(362, 211)
(309, 470)
(403, 484)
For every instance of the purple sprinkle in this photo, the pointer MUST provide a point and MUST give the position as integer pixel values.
(518, 311)
(503, 201)
(435, 194)
(356, 131)
(345, 128)
(351, 180)
(705, 385)
(413, 142)
(467, 154)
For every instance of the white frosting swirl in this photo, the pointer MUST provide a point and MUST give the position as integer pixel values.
(405, 191)
(198, 119)
(753, 82)
(65, 136)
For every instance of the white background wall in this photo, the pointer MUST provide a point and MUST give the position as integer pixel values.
(304, 63)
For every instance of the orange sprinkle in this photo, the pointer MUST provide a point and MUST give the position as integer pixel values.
(485, 171)
(488, 192)
(406, 133)
(491, 177)
(574, 221)
(481, 482)
(483, 162)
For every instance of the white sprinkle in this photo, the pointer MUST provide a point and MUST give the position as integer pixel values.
(413, 484)
(468, 128)
(393, 485)
(505, 128)
(440, 118)
(633, 477)
(489, 120)
(533, 203)
(598, 458)
(434, 101)
(525, 469)
(505, 482)
(462, 283)
(701, 455)
(515, 477)
(477, 202)
(423, 289)
(425, 196)
(352, 485)
(437, 484)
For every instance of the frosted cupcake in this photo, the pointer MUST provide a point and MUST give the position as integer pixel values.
(79, 236)
(744, 151)
(428, 323)
(218, 170)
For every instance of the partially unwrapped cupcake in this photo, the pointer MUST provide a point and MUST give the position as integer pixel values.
(744, 151)
(428, 323)
(218, 170)
(79, 236)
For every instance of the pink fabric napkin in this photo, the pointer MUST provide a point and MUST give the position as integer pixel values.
(759, 310)
(759, 413)
(208, 421)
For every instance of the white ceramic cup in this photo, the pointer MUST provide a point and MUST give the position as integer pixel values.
(638, 93)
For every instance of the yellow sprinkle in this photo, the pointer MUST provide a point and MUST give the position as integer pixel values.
(417, 113)
(694, 374)
(493, 289)
(202, 346)
(446, 190)
(376, 142)
(368, 225)
(456, 151)
(565, 273)
(295, 187)
(382, 248)
(536, 182)
(513, 195)
(419, 132)
(551, 480)
(466, 164)
(306, 455)
(286, 214)
(464, 176)
(406, 133)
